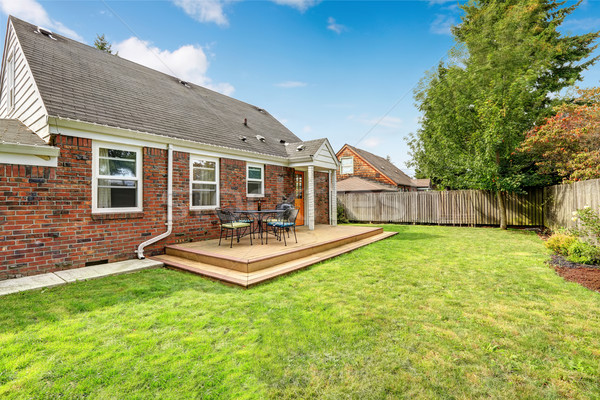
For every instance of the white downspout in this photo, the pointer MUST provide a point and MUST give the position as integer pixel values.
(140, 250)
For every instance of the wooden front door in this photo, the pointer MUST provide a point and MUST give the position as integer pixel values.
(299, 202)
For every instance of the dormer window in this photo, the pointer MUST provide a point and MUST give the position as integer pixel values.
(347, 165)
(10, 81)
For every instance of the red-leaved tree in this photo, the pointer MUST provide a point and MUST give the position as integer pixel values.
(568, 144)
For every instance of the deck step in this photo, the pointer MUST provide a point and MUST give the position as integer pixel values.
(257, 263)
(247, 279)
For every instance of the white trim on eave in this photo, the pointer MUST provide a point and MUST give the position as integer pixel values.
(69, 127)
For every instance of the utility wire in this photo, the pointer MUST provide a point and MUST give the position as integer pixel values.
(397, 102)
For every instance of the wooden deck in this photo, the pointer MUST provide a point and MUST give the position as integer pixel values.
(247, 265)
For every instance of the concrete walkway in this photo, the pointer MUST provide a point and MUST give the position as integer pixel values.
(73, 275)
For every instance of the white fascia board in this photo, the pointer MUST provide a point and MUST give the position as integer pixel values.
(69, 127)
(318, 165)
(29, 149)
(28, 159)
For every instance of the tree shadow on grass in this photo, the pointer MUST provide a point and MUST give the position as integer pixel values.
(17, 311)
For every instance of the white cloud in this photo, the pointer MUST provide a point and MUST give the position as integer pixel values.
(33, 12)
(290, 84)
(301, 5)
(442, 24)
(387, 122)
(188, 62)
(371, 142)
(333, 26)
(205, 10)
(307, 129)
(213, 10)
(434, 2)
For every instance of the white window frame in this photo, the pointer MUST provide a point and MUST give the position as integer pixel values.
(10, 81)
(342, 165)
(96, 146)
(262, 181)
(217, 181)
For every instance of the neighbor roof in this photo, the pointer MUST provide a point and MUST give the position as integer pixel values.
(80, 82)
(384, 166)
(358, 184)
(13, 131)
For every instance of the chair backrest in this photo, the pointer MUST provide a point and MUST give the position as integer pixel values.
(225, 216)
(293, 214)
(283, 206)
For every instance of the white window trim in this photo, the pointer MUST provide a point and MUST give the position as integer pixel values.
(342, 165)
(139, 174)
(262, 181)
(11, 79)
(217, 181)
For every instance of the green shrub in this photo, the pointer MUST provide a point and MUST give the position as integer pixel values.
(560, 242)
(341, 214)
(583, 253)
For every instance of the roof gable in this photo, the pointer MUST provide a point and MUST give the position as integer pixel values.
(80, 82)
(382, 165)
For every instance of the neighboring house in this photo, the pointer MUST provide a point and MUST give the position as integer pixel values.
(357, 162)
(423, 185)
(99, 154)
(358, 184)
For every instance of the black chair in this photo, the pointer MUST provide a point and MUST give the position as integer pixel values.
(244, 216)
(285, 222)
(229, 223)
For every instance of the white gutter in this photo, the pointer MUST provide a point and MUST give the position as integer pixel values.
(140, 250)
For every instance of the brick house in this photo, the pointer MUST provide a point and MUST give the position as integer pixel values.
(100, 156)
(355, 162)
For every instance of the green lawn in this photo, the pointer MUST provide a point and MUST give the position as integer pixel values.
(433, 312)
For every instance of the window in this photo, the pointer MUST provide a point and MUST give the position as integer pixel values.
(255, 180)
(204, 183)
(10, 81)
(347, 165)
(116, 182)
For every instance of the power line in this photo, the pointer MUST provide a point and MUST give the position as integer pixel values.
(397, 102)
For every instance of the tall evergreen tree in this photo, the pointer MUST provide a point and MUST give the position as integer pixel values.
(102, 44)
(509, 61)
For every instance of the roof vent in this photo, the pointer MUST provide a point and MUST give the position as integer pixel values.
(243, 138)
(184, 83)
(300, 148)
(260, 110)
(261, 138)
(282, 141)
(45, 32)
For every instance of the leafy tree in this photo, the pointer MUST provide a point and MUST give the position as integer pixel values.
(102, 44)
(568, 143)
(508, 60)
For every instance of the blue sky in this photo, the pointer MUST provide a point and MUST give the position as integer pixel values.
(345, 70)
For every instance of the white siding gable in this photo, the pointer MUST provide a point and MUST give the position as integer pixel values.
(28, 107)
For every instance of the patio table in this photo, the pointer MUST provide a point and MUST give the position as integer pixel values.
(260, 217)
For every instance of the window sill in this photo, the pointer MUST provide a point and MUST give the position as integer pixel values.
(255, 196)
(117, 215)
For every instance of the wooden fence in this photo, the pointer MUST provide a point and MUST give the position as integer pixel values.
(551, 206)
(562, 200)
(456, 207)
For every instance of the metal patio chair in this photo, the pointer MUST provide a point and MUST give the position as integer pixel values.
(229, 223)
(285, 222)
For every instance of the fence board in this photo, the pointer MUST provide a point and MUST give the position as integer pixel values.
(458, 207)
(562, 200)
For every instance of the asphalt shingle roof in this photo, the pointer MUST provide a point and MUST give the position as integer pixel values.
(358, 184)
(80, 82)
(13, 131)
(384, 166)
(310, 148)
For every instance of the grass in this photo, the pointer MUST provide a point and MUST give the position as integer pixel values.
(434, 312)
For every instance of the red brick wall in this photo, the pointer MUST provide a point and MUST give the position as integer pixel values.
(321, 198)
(47, 223)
